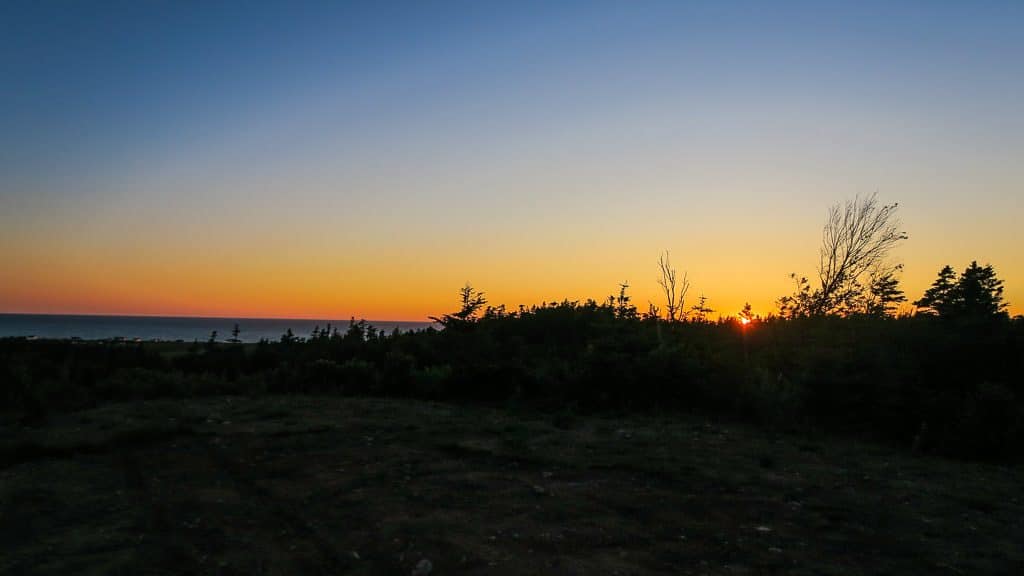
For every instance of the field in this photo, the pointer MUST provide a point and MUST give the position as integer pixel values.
(308, 485)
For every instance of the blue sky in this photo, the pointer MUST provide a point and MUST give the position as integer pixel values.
(546, 130)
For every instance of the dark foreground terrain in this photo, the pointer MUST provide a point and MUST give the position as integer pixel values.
(337, 486)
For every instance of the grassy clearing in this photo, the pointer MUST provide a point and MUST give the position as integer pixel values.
(335, 486)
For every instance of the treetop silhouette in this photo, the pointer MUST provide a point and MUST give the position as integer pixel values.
(977, 293)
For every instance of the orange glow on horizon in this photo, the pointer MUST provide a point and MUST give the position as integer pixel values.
(95, 271)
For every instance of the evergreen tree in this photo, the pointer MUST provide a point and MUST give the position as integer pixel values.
(884, 294)
(940, 299)
(700, 310)
(747, 314)
(472, 302)
(977, 293)
(980, 292)
(623, 308)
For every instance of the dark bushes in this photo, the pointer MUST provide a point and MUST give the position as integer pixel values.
(950, 387)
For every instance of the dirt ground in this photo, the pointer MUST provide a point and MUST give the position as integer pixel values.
(344, 486)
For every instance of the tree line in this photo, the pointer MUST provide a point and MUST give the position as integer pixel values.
(836, 358)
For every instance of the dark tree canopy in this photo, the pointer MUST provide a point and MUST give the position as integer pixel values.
(884, 294)
(977, 293)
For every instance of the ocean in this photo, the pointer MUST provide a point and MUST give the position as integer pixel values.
(170, 328)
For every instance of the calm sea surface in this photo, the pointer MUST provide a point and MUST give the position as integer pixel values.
(170, 328)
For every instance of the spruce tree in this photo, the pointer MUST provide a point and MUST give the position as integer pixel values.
(980, 292)
(977, 293)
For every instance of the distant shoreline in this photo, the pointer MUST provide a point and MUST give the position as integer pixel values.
(114, 328)
(230, 318)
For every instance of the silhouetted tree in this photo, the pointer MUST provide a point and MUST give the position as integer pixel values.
(856, 241)
(940, 298)
(884, 294)
(472, 301)
(747, 313)
(700, 310)
(981, 292)
(623, 308)
(675, 295)
(977, 293)
(799, 303)
(234, 334)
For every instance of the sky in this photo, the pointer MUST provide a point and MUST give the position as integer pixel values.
(328, 160)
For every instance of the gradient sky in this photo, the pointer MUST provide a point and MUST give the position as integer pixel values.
(367, 159)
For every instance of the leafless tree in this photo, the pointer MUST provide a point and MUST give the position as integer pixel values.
(675, 292)
(856, 242)
(858, 237)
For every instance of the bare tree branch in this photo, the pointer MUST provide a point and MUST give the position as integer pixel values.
(857, 238)
(856, 242)
(675, 294)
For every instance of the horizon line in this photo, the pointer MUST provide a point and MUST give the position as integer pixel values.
(200, 317)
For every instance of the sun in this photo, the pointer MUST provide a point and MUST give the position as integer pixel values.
(744, 321)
